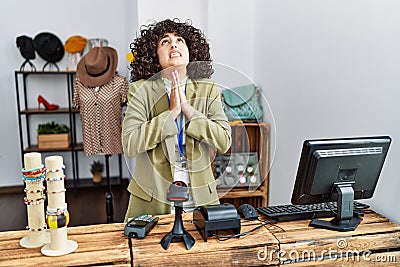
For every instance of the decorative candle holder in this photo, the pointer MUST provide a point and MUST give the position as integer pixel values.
(57, 214)
(33, 175)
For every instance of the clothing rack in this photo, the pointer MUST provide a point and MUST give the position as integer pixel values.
(109, 196)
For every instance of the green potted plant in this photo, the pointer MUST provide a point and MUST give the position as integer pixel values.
(52, 135)
(96, 168)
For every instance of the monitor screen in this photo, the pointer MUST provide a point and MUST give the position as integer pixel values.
(328, 162)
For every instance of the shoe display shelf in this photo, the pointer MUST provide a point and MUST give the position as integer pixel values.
(249, 137)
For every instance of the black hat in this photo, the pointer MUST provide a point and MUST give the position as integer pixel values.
(26, 47)
(49, 47)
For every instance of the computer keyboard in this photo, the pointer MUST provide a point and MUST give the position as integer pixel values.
(282, 213)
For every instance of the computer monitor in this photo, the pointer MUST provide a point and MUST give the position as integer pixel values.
(341, 169)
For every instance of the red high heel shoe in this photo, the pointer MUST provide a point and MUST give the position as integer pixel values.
(46, 104)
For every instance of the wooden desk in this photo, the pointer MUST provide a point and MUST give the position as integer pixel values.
(239, 252)
(376, 241)
(105, 245)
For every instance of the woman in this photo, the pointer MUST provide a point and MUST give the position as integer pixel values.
(174, 120)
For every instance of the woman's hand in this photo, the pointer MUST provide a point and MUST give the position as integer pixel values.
(185, 107)
(174, 99)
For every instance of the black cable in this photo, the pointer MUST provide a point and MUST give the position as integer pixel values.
(328, 204)
(227, 237)
(130, 246)
(271, 223)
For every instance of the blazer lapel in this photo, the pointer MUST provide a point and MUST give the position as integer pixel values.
(191, 88)
(160, 98)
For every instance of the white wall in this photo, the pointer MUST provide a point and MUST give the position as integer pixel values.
(156, 10)
(231, 33)
(223, 23)
(91, 19)
(330, 69)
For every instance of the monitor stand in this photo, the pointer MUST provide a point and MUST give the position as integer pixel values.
(345, 219)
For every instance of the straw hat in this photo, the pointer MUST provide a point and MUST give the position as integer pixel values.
(97, 66)
(75, 44)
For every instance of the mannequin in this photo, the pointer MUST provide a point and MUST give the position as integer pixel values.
(99, 94)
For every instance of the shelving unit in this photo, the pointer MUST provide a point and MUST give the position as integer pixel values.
(250, 137)
(24, 110)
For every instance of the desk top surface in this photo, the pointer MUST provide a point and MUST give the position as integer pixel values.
(287, 242)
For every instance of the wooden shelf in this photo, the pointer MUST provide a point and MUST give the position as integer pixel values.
(45, 72)
(88, 182)
(250, 137)
(25, 112)
(45, 111)
(34, 148)
(241, 193)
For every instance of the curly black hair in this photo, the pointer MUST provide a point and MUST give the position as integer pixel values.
(144, 48)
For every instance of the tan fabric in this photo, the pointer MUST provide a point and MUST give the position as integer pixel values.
(101, 115)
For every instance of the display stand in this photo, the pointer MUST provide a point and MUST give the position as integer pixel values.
(27, 61)
(249, 138)
(57, 213)
(26, 112)
(345, 219)
(178, 192)
(109, 196)
(178, 231)
(33, 175)
(49, 64)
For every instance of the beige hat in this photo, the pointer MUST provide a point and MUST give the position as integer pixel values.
(98, 66)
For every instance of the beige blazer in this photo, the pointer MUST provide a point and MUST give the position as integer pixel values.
(148, 134)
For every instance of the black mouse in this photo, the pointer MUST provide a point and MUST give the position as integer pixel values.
(248, 212)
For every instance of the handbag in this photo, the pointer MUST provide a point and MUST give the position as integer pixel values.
(242, 103)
